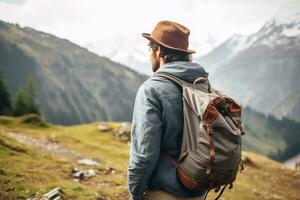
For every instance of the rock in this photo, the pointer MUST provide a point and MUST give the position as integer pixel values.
(75, 169)
(104, 128)
(123, 132)
(109, 170)
(55, 194)
(81, 175)
(89, 173)
(88, 162)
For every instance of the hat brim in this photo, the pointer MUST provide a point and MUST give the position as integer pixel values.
(148, 36)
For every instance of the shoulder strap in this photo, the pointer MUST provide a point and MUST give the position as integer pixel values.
(171, 77)
(201, 78)
(180, 82)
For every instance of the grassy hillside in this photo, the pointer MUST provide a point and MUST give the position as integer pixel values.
(37, 157)
(27, 169)
(74, 85)
(266, 135)
(261, 136)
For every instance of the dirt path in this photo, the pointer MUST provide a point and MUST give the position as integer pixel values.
(44, 144)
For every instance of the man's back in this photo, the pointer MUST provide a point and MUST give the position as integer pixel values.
(157, 127)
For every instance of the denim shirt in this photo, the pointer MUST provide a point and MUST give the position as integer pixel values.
(157, 126)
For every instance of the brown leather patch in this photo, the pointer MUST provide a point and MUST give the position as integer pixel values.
(211, 113)
(188, 182)
(213, 108)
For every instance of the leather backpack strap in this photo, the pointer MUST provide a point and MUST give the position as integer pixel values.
(171, 77)
(184, 178)
(221, 193)
(210, 132)
(202, 78)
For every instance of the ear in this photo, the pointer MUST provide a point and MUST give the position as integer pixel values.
(159, 52)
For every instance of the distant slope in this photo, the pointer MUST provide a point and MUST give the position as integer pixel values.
(266, 135)
(75, 85)
(27, 171)
(290, 107)
(262, 70)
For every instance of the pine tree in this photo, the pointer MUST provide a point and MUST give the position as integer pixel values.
(19, 104)
(24, 102)
(31, 95)
(5, 105)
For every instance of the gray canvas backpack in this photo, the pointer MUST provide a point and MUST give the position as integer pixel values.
(211, 144)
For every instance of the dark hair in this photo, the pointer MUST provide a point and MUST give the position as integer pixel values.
(172, 55)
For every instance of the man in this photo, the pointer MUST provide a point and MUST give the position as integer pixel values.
(157, 124)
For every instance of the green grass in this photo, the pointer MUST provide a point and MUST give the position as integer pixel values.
(26, 171)
(266, 180)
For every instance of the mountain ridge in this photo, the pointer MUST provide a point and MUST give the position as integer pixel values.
(264, 64)
(83, 87)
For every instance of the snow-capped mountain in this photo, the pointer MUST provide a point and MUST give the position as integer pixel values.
(262, 70)
(222, 53)
(280, 30)
(131, 50)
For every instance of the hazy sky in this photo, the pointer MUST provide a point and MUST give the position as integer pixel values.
(91, 21)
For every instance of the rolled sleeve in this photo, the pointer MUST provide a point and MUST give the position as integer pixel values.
(145, 139)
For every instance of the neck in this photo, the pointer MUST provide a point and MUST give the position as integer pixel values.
(162, 62)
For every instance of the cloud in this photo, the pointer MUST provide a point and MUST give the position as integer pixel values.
(94, 20)
(13, 1)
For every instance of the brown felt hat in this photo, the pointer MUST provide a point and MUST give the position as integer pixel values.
(171, 35)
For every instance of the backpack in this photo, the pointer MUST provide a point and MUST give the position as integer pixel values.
(210, 154)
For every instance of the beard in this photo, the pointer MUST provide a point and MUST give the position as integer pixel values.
(155, 64)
